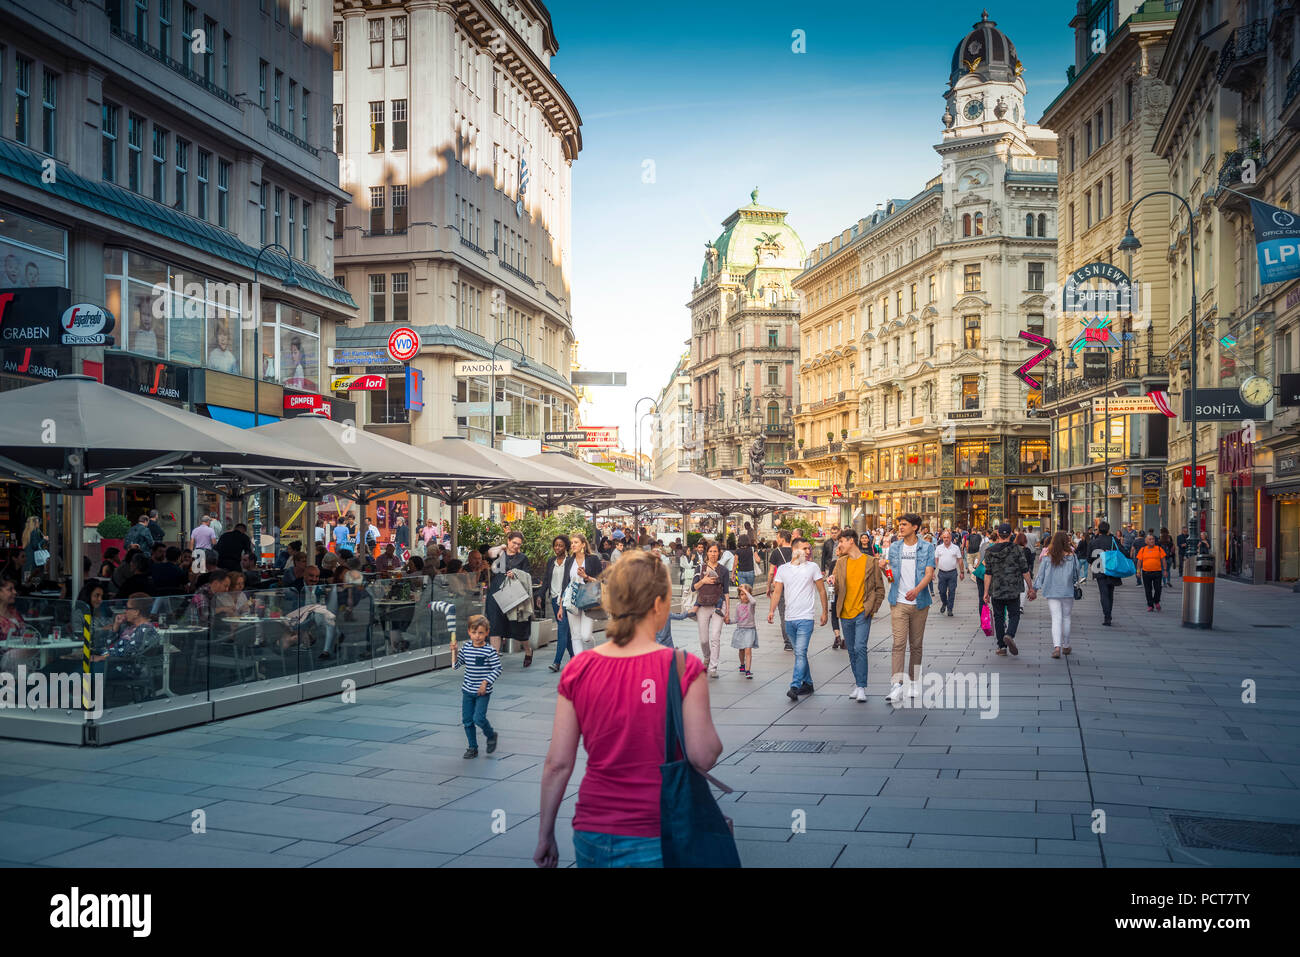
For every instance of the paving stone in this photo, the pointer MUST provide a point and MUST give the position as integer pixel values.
(940, 821)
(275, 820)
(367, 855)
(205, 772)
(119, 852)
(113, 802)
(374, 790)
(25, 843)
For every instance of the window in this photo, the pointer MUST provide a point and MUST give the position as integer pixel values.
(225, 60)
(1087, 209)
(1087, 139)
(1071, 153)
(399, 121)
(970, 392)
(49, 105)
(376, 209)
(772, 338)
(1101, 136)
(1029, 224)
(306, 113)
(22, 92)
(165, 26)
(188, 14)
(971, 331)
(1036, 277)
(971, 276)
(293, 99)
(261, 205)
(1042, 224)
(338, 45)
(913, 297)
(965, 224)
(898, 304)
(376, 126)
(209, 49)
(142, 20)
(933, 288)
(293, 219)
(223, 193)
(1110, 194)
(399, 41)
(159, 164)
(773, 376)
(971, 458)
(929, 331)
(262, 67)
(108, 130)
(377, 296)
(1072, 222)
(979, 224)
(1034, 323)
(135, 152)
(1110, 119)
(201, 180)
(1128, 101)
(399, 209)
(277, 116)
(182, 174)
(279, 205)
(400, 311)
(338, 127)
(376, 43)
(1128, 179)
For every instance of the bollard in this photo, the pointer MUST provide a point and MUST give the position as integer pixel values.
(1198, 591)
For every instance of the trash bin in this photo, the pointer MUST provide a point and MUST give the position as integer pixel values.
(1198, 591)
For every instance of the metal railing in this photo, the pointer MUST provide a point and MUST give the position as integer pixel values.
(174, 65)
(1120, 370)
(516, 272)
(1244, 44)
(1292, 85)
(295, 140)
(478, 249)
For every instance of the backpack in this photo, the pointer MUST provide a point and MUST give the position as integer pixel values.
(973, 541)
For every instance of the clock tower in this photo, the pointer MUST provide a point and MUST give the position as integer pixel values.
(986, 93)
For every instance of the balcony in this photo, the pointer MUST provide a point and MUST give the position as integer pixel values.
(519, 273)
(1242, 60)
(1121, 370)
(297, 141)
(469, 245)
(778, 430)
(1290, 103)
(1231, 177)
(175, 65)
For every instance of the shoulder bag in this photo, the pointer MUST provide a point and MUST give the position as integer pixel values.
(692, 829)
(1115, 563)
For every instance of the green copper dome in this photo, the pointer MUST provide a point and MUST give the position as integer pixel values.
(752, 232)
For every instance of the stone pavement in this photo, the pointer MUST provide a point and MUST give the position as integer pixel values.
(1144, 722)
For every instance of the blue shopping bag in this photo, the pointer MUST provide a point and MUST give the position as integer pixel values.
(1116, 563)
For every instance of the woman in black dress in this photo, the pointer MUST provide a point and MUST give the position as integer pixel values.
(510, 561)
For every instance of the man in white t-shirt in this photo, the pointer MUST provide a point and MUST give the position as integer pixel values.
(948, 562)
(911, 569)
(800, 582)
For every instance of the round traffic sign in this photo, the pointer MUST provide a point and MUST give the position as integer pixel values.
(403, 344)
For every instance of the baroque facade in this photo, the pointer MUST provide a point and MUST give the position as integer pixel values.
(945, 282)
(744, 345)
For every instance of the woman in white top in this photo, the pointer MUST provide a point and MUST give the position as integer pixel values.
(586, 567)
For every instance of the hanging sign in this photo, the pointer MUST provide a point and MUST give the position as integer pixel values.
(1277, 242)
(1115, 294)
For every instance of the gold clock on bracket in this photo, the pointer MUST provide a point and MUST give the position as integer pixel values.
(1256, 390)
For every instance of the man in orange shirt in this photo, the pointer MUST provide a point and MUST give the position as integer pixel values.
(1151, 560)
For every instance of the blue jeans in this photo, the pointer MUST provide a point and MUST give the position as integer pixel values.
(561, 633)
(745, 578)
(473, 711)
(800, 633)
(948, 588)
(594, 849)
(855, 632)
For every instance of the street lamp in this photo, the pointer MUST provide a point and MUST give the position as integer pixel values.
(636, 444)
(492, 404)
(1130, 244)
(290, 282)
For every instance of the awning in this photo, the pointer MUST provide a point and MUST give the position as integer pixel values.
(236, 417)
(1280, 488)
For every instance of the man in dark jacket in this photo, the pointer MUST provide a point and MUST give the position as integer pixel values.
(154, 528)
(828, 549)
(232, 546)
(1101, 542)
(1005, 570)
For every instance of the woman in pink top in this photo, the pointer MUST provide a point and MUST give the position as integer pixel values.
(614, 698)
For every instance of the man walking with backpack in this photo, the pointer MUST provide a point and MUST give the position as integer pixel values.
(775, 559)
(973, 542)
(1104, 541)
(1005, 571)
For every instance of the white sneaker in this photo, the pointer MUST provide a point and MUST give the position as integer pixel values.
(896, 692)
(855, 692)
(862, 695)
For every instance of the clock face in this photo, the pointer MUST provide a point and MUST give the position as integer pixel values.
(1256, 390)
(974, 109)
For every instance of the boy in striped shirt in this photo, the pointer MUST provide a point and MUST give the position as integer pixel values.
(482, 669)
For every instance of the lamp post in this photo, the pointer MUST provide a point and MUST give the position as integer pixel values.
(1130, 244)
(636, 444)
(290, 282)
(492, 403)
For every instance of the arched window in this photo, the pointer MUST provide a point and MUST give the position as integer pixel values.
(979, 224)
(1042, 224)
(965, 225)
(1029, 224)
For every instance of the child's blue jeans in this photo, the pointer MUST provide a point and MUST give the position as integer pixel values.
(473, 711)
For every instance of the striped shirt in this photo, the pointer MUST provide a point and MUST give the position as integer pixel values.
(481, 664)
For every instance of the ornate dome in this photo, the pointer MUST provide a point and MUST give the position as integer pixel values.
(755, 235)
(986, 52)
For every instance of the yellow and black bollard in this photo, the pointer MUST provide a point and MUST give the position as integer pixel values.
(85, 663)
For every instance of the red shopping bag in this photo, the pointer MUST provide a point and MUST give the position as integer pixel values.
(986, 620)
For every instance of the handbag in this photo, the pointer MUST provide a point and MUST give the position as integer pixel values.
(986, 619)
(40, 557)
(586, 595)
(692, 829)
(511, 594)
(1116, 564)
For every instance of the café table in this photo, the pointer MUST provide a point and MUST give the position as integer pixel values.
(46, 646)
(180, 633)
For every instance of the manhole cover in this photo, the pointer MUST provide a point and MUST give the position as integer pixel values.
(1222, 834)
(807, 746)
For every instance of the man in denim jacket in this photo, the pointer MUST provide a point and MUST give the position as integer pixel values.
(911, 567)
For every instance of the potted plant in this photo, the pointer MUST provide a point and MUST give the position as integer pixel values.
(844, 433)
(801, 443)
(112, 530)
(830, 436)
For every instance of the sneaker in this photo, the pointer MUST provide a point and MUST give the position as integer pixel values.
(949, 612)
(492, 744)
(792, 694)
(806, 688)
(789, 647)
(470, 753)
(713, 673)
(855, 692)
(749, 674)
(1065, 650)
(1106, 622)
(742, 669)
(862, 695)
(1157, 606)
(1056, 652)
(1001, 651)
(1150, 608)
(1011, 644)
(896, 692)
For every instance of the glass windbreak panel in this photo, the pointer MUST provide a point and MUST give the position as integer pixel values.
(40, 654)
(142, 647)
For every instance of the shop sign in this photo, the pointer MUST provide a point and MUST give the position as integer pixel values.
(1040, 493)
(1236, 453)
(161, 380)
(1125, 405)
(1099, 448)
(1119, 471)
(338, 356)
(560, 438)
(1151, 497)
(1117, 298)
(1096, 365)
(1060, 496)
(1288, 384)
(972, 414)
(1200, 476)
(85, 324)
(30, 317)
(34, 363)
(777, 470)
(1287, 462)
(298, 404)
(370, 382)
(403, 344)
(1220, 405)
(1113, 490)
(414, 390)
(804, 483)
(599, 437)
(841, 500)
(483, 367)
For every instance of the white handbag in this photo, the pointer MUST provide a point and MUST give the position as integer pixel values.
(40, 556)
(511, 594)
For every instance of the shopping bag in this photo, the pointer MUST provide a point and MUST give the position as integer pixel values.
(40, 557)
(511, 594)
(986, 620)
(1117, 564)
(586, 595)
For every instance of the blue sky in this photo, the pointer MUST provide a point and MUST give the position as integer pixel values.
(717, 100)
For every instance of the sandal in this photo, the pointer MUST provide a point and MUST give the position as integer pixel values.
(528, 660)
(1066, 649)
(1056, 652)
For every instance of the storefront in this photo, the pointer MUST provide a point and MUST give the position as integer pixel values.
(1242, 546)
(1283, 496)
